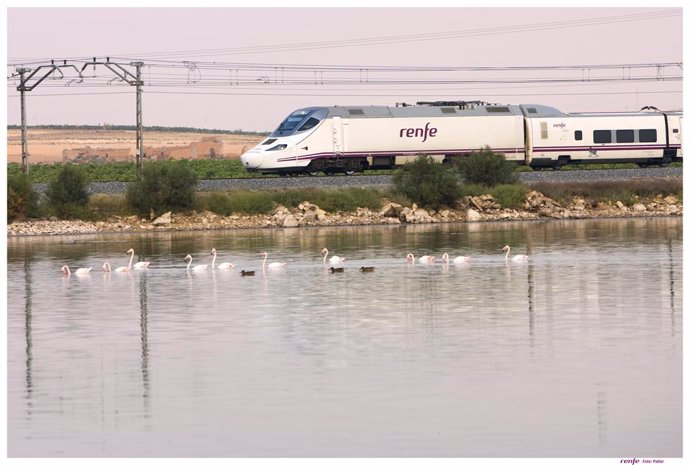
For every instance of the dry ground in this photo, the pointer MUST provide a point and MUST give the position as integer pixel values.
(47, 145)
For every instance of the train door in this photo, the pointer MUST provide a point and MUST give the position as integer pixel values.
(338, 142)
(676, 135)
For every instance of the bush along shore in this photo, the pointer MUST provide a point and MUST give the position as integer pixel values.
(482, 187)
(536, 206)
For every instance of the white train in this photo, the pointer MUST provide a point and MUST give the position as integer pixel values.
(350, 139)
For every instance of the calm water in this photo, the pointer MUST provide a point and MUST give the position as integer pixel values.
(577, 353)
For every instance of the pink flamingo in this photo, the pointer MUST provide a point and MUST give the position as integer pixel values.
(196, 268)
(423, 259)
(119, 269)
(516, 258)
(272, 264)
(334, 259)
(222, 266)
(79, 271)
(458, 259)
(137, 265)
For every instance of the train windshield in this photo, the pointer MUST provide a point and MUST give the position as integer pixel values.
(300, 120)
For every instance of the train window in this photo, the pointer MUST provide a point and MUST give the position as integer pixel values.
(532, 111)
(544, 130)
(447, 110)
(268, 141)
(578, 135)
(675, 131)
(355, 111)
(310, 123)
(625, 135)
(290, 123)
(497, 110)
(647, 135)
(602, 137)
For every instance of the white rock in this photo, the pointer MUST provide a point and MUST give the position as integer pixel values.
(473, 215)
(290, 222)
(165, 218)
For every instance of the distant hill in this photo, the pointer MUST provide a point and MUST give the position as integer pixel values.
(118, 127)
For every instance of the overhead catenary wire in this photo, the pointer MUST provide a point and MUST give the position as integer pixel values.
(380, 40)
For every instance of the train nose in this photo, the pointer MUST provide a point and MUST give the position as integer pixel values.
(252, 160)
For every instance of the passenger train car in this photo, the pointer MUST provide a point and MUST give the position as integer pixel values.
(350, 139)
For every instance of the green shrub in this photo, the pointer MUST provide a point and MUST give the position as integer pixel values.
(22, 200)
(509, 195)
(165, 186)
(67, 195)
(487, 168)
(427, 183)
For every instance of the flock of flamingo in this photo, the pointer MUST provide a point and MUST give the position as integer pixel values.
(334, 260)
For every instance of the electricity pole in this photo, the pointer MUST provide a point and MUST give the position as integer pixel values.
(25, 150)
(51, 69)
(140, 136)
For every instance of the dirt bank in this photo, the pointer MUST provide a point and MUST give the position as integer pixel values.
(470, 209)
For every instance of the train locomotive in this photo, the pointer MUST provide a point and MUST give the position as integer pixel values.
(349, 139)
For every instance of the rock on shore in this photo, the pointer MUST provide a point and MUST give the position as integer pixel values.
(480, 208)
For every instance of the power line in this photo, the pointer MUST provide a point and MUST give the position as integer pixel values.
(384, 40)
(284, 94)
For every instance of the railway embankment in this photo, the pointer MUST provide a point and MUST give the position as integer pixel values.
(483, 208)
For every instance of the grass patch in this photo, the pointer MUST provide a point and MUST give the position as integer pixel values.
(228, 203)
(103, 206)
(262, 202)
(628, 191)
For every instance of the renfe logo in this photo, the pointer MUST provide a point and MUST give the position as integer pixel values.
(424, 132)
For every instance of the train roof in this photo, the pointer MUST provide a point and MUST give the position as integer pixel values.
(444, 109)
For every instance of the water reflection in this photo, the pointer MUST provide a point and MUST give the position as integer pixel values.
(411, 359)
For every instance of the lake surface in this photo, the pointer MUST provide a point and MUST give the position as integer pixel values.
(576, 353)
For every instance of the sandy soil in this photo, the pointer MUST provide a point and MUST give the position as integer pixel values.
(47, 145)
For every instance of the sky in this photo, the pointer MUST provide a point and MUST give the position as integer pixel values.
(199, 64)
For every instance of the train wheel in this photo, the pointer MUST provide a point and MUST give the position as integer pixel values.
(642, 164)
(349, 172)
(329, 172)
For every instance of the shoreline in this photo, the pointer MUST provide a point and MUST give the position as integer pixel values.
(482, 208)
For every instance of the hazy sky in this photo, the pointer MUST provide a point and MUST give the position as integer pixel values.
(197, 60)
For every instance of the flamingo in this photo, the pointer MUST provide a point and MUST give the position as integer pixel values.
(334, 259)
(458, 259)
(119, 269)
(137, 265)
(272, 264)
(222, 266)
(423, 259)
(516, 258)
(196, 268)
(79, 272)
